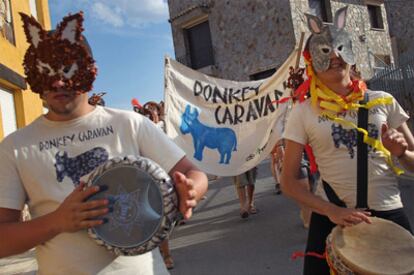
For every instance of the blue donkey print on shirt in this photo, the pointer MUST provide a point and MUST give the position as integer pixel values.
(348, 137)
(222, 139)
(80, 165)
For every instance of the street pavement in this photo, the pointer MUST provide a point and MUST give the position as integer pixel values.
(217, 241)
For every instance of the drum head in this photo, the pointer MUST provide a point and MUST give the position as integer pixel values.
(135, 189)
(382, 247)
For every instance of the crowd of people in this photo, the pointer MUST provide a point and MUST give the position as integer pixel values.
(324, 110)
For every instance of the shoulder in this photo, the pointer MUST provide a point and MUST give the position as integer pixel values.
(378, 94)
(384, 99)
(22, 133)
(118, 112)
(302, 107)
(121, 116)
(131, 118)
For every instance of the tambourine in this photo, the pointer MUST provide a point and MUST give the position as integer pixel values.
(380, 248)
(144, 205)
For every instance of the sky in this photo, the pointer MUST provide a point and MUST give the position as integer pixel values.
(129, 39)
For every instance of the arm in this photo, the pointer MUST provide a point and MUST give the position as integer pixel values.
(191, 185)
(400, 143)
(295, 189)
(72, 215)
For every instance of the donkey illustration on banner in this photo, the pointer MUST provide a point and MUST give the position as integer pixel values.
(222, 139)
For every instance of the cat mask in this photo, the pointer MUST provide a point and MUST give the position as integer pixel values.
(325, 39)
(60, 55)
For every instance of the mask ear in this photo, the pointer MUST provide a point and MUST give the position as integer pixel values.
(33, 30)
(315, 24)
(71, 28)
(340, 17)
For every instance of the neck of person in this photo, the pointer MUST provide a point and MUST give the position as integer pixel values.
(79, 109)
(339, 85)
(341, 88)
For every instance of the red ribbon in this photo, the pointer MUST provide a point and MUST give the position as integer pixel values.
(302, 90)
(298, 254)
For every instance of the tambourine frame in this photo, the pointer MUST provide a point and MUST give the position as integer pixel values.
(143, 213)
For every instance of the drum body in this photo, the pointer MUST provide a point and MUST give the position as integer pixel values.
(380, 248)
(143, 201)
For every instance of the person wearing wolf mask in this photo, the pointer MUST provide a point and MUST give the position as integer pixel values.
(43, 163)
(327, 121)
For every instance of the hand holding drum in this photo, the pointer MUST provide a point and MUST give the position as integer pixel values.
(380, 248)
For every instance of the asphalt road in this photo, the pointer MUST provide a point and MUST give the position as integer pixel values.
(217, 241)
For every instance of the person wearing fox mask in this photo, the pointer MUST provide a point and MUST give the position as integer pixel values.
(327, 121)
(43, 164)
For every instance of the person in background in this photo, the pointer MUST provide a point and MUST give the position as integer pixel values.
(276, 164)
(306, 178)
(154, 112)
(97, 99)
(244, 184)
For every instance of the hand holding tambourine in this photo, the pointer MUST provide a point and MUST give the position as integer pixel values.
(143, 202)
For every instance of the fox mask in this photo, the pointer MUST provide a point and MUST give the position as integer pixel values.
(59, 55)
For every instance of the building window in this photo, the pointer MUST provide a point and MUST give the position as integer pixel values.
(33, 8)
(375, 17)
(8, 112)
(322, 9)
(381, 62)
(199, 45)
(263, 74)
(6, 21)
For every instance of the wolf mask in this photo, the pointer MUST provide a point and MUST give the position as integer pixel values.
(327, 39)
(61, 55)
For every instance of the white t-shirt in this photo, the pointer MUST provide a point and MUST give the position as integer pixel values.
(41, 163)
(334, 147)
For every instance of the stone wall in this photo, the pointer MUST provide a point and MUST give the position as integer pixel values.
(366, 42)
(253, 36)
(400, 19)
(247, 36)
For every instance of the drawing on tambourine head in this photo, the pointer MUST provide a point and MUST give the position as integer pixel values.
(130, 209)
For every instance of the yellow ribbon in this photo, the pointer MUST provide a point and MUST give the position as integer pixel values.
(330, 101)
(374, 143)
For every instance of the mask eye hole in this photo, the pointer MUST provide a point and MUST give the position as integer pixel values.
(66, 69)
(69, 70)
(340, 48)
(45, 70)
(326, 50)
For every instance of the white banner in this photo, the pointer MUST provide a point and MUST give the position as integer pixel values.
(225, 127)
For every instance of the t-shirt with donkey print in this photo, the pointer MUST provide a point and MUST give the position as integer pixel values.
(334, 146)
(42, 163)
